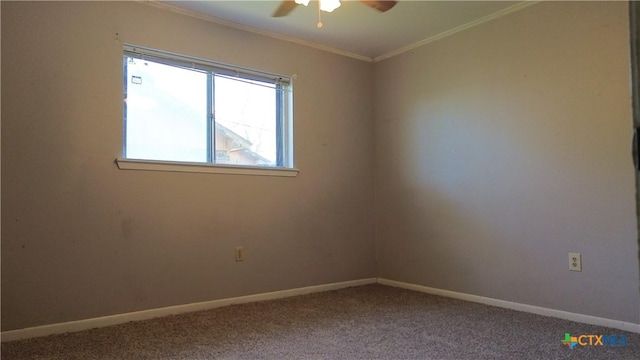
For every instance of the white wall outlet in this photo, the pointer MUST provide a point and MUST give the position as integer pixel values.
(239, 254)
(575, 262)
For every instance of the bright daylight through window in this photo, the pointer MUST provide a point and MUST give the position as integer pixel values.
(182, 109)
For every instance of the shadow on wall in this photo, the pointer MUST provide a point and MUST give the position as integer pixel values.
(463, 192)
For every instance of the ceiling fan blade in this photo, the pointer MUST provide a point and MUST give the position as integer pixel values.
(286, 6)
(381, 6)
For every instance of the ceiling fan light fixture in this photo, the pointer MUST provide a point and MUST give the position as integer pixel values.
(329, 5)
(286, 6)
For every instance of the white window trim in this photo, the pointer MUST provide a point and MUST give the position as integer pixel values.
(207, 168)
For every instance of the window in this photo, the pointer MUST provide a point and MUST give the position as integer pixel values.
(180, 109)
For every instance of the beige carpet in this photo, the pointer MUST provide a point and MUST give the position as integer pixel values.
(366, 322)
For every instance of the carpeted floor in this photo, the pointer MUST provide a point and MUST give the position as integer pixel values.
(366, 322)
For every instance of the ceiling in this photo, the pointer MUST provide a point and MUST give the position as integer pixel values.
(353, 29)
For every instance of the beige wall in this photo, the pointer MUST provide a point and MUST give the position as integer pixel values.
(83, 239)
(501, 149)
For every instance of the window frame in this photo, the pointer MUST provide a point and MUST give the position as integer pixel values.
(284, 117)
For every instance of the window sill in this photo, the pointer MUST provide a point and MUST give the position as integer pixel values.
(154, 165)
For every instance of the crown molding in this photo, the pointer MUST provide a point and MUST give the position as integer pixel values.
(311, 44)
(457, 29)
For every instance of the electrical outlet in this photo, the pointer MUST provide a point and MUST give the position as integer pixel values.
(239, 254)
(575, 262)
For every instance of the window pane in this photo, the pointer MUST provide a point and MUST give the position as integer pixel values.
(165, 112)
(245, 122)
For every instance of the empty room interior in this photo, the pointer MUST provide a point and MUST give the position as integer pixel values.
(469, 166)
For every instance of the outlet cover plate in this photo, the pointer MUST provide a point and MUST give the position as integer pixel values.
(239, 254)
(575, 262)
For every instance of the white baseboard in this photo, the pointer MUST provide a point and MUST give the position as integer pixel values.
(586, 319)
(86, 324)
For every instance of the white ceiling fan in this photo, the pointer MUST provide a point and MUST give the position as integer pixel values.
(286, 6)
